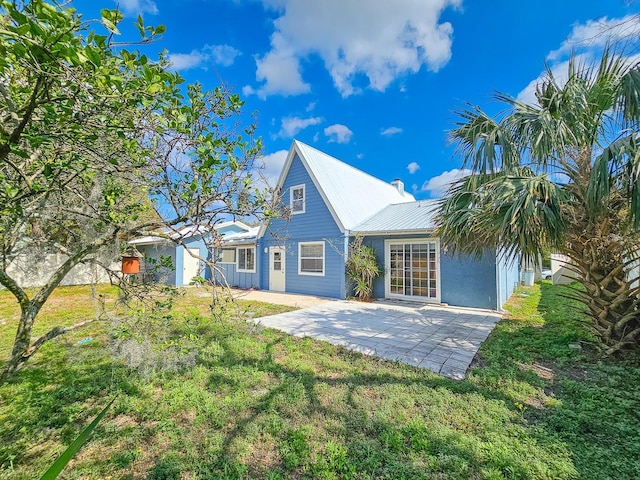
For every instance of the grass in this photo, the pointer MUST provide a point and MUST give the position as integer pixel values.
(261, 404)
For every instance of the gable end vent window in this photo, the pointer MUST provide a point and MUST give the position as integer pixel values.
(311, 258)
(297, 200)
(246, 260)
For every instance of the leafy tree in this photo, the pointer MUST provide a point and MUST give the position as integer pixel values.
(564, 174)
(99, 143)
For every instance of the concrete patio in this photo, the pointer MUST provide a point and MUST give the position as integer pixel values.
(442, 339)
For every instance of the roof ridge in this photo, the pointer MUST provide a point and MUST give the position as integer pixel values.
(379, 180)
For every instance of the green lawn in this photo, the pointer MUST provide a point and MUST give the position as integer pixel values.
(261, 404)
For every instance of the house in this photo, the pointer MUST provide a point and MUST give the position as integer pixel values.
(185, 261)
(330, 202)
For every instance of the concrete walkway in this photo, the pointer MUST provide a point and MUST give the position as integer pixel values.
(442, 339)
(278, 298)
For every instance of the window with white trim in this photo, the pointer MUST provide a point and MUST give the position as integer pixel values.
(311, 258)
(297, 199)
(246, 260)
(227, 255)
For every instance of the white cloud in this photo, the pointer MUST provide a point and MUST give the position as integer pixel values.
(185, 61)
(338, 133)
(437, 186)
(271, 166)
(281, 74)
(597, 33)
(369, 46)
(586, 42)
(135, 7)
(387, 132)
(223, 55)
(311, 106)
(413, 167)
(292, 125)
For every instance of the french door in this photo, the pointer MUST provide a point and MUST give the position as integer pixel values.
(413, 269)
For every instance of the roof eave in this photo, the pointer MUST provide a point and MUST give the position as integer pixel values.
(239, 242)
(375, 233)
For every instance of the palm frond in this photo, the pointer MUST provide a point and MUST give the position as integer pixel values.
(617, 166)
(516, 214)
(483, 143)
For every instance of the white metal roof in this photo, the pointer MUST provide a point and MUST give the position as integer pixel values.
(400, 218)
(350, 194)
(185, 232)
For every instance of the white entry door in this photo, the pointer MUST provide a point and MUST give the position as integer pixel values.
(190, 265)
(276, 269)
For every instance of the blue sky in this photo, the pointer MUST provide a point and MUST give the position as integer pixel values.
(374, 83)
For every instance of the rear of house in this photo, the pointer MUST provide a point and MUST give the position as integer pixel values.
(418, 267)
(329, 204)
(183, 251)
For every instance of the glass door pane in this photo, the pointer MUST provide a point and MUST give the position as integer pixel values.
(413, 269)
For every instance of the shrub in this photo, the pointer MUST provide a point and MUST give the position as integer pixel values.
(362, 268)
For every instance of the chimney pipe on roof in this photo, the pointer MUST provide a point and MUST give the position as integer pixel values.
(399, 185)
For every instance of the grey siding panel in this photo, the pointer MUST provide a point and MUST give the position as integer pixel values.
(155, 251)
(464, 281)
(315, 225)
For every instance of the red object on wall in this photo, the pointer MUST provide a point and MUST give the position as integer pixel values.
(130, 265)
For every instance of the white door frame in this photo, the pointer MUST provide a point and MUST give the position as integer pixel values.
(277, 279)
(387, 264)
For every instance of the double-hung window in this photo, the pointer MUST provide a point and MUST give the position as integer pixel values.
(296, 199)
(246, 260)
(311, 258)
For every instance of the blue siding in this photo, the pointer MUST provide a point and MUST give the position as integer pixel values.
(315, 225)
(230, 229)
(193, 243)
(468, 282)
(228, 275)
(508, 278)
(176, 252)
(378, 245)
(464, 281)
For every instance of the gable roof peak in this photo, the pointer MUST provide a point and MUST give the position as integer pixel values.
(350, 194)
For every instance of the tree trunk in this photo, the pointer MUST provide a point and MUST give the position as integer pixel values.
(22, 344)
(612, 299)
(24, 348)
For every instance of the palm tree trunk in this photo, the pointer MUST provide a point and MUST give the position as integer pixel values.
(611, 296)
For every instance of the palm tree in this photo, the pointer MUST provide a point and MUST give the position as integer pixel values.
(562, 174)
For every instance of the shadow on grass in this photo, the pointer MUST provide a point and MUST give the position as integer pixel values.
(262, 404)
(52, 399)
(342, 434)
